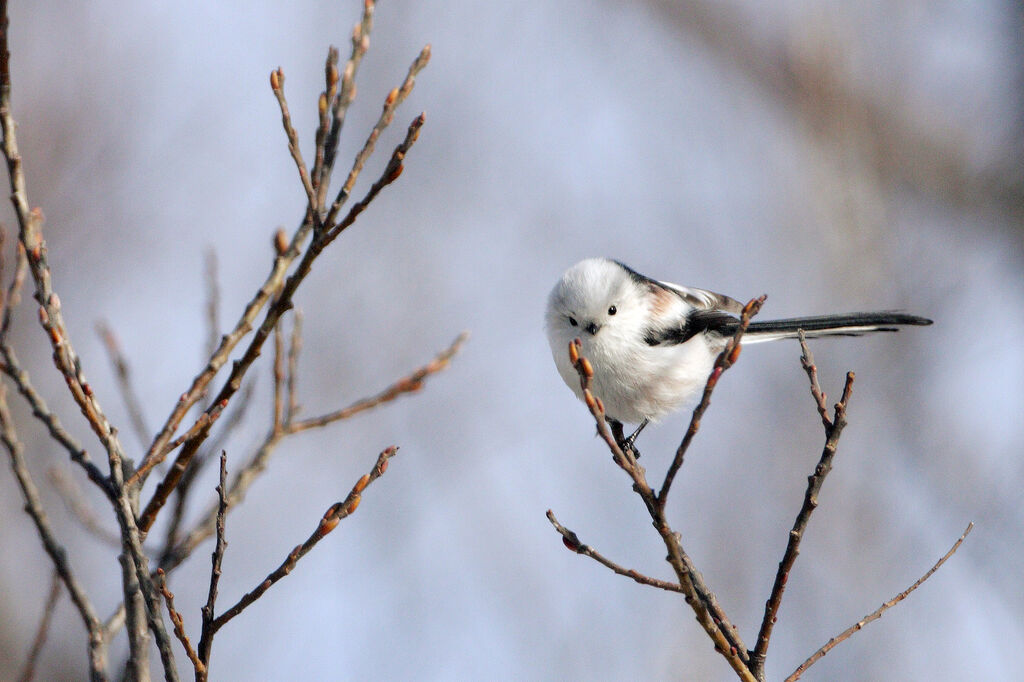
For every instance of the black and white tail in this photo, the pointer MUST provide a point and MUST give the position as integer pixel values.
(848, 324)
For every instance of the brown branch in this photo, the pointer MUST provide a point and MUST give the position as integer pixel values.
(179, 623)
(324, 128)
(877, 613)
(277, 85)
(294, 348)
(76, 503)
(274, 312)
(29, 669)
(285, 256)
(833, 428)
(408, 384)
(13, 295)
(331, 517)
(206, 640)
(13, 369)
(724, 361)
(391, 103)
(573, 543)
(346, 94)
(140, 592)
(34, 508)
(708, 611)
(123, 373)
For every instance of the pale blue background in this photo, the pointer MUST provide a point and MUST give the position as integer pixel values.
(837, 156)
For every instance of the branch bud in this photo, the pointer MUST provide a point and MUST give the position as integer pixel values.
(280, 241)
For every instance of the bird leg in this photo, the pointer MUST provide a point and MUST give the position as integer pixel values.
(620, 437)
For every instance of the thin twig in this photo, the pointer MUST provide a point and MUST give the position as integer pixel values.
(13, 369)
(346, 94)
(179, 623)
(206, 641)
(323, 129)
(274, 312)
(833, 428)
(294, 348)
(76, 503)
(877, 613)
(29, 669)
(708, 611)
(571, 541)
(391, 103)
(724, 361)
(124, 381)
(56, 551)
(408, 384)
(245, 477)
(331, 517)
(277, 85)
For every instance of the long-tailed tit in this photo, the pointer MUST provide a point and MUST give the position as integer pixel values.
(653, 344)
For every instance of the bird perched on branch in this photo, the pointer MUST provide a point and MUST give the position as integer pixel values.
(653, 344)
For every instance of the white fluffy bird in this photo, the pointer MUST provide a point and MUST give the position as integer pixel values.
(653, 344)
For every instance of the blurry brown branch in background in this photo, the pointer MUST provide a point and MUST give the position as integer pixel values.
(29, 669)
(747, 664)
(923, 153)
(192, 443)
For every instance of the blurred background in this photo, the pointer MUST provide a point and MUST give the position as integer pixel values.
(836, 156)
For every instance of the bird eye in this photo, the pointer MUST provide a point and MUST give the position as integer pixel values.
(613, 310)
(573, 322)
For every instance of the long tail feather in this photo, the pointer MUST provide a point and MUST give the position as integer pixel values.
(848, 324)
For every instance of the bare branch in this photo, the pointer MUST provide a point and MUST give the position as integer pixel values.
(206, 641)
(394, 99)
(332, 516)
(124, 382)
(571, 541)
(702, 600)
(12, 368)
(56, 551)
(346, 94)
(724, 361)
(277, 85)
(29, 670)
(833, 428)
(408, 384)
(877, 613)
(79, 507)
(179, 623)
(274, 312)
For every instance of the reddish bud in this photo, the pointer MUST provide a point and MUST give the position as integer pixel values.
(570, 544)
(327, 525)
(574, 353)
(280, 241)
(322, 104)
(332, 75)
(396, 173)
(361, 484)
(44, 319)
(589, 399)
(276, 77)
(383, 466)
(588, 369)
(353, 505)
(392, 96)
(87, 389)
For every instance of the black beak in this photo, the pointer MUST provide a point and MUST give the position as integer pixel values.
(592, 328)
